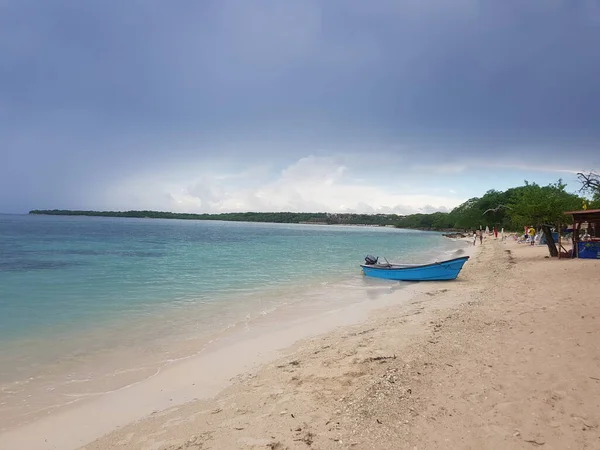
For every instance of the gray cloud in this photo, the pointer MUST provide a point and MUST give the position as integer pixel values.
(92, 92)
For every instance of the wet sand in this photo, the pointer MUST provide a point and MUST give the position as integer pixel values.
(506, 356)
(68, 415)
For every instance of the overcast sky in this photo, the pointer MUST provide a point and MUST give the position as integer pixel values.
(303, 105)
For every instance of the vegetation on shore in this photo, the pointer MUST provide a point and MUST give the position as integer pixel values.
(272, 217)
(530, 204)
(543, 207)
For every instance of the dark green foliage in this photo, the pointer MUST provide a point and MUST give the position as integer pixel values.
(542, 205)
(511, 209)
(435, 221)
(272, 217)
(595, 202)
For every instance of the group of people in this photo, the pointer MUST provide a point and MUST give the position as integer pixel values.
(478, 234)
(527, 237)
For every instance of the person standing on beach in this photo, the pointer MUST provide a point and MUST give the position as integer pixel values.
(531, 233)
(474, 237)
(481, 237)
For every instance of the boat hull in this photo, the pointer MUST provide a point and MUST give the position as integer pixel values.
(443, 270)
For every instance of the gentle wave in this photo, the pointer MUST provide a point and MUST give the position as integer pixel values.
(108, 302)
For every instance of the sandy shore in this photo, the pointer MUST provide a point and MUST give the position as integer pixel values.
(507, 356)
(504, 357)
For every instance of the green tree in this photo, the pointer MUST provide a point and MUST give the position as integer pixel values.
(494, 208)
(595, 203)
(467, 215)
(543, 207)
(275, 217)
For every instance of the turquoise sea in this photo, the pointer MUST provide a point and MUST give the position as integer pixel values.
(83, 297)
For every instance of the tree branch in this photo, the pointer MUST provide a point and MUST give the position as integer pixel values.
(496, 209)
(590, 182)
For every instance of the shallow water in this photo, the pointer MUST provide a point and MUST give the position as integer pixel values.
(92, 304)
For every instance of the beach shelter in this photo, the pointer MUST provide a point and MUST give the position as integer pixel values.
(586, 233)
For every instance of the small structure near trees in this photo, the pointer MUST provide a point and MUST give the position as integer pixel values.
(586, 233)
(543, 206)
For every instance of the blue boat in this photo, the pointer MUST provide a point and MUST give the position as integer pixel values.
(443, 270)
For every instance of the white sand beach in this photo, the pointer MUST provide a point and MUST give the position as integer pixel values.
(506, 356)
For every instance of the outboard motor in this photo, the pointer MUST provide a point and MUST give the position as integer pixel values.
(370, 260)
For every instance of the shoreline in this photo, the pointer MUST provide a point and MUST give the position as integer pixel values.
(243, 217)
(489, 361)
(111, 355)
(158, 390)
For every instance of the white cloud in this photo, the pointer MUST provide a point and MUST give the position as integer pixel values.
(428, 209)
(310, 184)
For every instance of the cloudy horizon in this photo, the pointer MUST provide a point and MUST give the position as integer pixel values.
(338, 106)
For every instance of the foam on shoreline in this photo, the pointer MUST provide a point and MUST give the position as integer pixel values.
(490, 360)
(201, 369)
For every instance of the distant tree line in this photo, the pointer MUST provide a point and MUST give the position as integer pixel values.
(271, 217)
(529, 204)
(511, 209)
